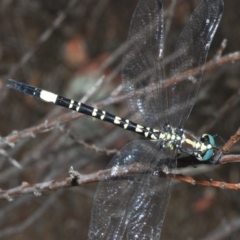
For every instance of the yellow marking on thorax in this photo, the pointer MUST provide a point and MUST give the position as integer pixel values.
(198, 145)
(190, 142)
(169, 136)
(162, 136)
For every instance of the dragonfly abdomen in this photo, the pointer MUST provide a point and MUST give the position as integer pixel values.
(168, 137)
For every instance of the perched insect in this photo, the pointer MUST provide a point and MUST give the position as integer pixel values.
(136, 205)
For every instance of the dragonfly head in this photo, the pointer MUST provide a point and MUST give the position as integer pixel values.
(207, 148)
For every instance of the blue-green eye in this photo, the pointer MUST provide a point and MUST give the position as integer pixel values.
(211, 139)
(207, 155)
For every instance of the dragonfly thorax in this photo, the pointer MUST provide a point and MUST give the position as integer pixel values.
(204, 148)
(175, 138)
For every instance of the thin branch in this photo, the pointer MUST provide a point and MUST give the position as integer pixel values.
(92, 90)
(169, 17)
(220, 49)
(226, 148)
(95, 15)
(12, 161)
(78, 179)
(208, 183)
(232, 141)
(90, 146)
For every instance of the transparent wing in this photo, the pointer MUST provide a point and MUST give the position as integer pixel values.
(142, 67)
(191, 53)
(133, 206)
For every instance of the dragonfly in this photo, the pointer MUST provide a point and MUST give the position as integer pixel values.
(134, 207)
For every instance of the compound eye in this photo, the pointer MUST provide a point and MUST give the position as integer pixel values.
(207, 155)
(207, 139)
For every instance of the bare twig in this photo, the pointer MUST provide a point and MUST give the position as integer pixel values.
(232, 141)
(169, 17)
(220, 50)
(11, 160)
(93, 89)
(90, 146)
(78, 179)
(208, 183)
